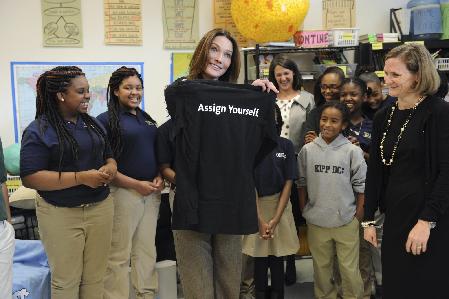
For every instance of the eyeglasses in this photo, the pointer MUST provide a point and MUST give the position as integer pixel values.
(330, 86)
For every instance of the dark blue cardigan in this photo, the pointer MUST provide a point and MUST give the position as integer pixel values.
(436, 160)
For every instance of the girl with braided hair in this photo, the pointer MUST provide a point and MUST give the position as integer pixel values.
(65, 156)
(136, 188)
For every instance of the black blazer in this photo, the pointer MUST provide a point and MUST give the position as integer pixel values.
(436, 160)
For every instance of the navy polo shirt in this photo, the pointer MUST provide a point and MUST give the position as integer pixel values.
(362, 132)
(276, 168)
(165, 144)
(138, 158)
(40, 151)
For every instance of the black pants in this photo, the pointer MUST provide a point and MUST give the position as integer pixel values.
(276, 266)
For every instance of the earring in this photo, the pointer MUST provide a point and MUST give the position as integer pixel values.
(62, 100)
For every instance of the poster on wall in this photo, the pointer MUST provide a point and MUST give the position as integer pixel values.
(338, 14)
(179, 66)
(123, 22)
(61, 23)
(223, 19)
(180, 19)
(24, 76)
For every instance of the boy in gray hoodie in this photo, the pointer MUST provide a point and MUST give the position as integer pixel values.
(331, 191)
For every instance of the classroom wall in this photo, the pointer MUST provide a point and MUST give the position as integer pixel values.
(21, 24)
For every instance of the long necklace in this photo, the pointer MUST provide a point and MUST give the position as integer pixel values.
(390, 162)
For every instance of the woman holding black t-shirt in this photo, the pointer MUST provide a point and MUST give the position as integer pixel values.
(210, 264)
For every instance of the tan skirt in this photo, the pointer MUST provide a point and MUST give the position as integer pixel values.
(285, 240)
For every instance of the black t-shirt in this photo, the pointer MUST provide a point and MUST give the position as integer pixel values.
(223, 131)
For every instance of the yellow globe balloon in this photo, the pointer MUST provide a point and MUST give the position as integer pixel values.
(268, 20)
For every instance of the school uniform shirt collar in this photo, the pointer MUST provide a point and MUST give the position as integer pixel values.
(138, 115)
(79, 122)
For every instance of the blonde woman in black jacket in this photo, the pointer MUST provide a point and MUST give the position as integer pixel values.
(408, 171)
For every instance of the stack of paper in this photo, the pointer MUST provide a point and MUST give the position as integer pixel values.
(379, 38)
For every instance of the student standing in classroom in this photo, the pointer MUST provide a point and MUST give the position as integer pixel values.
(66, 157)
(277, 235)
(6, 234)
(353, 94)
(295, 105)
(332, 181)
(375, 100)
(327, 88)
(135, 189)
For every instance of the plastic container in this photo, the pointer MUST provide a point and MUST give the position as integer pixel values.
(442, 64)
(425, 21)
(13, 182)
(344, 37)
(445, 18)
(25, 224)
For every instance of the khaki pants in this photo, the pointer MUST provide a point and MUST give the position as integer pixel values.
(209, 265)
(76, 241)
(133, 240)
(247, 287)
(365, 266)
(323, 243)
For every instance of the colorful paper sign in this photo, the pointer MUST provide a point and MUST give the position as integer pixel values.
(311, 39)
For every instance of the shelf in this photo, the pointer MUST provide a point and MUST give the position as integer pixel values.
(277, 50)
(429, 44)
(262, 50)
(368, 56)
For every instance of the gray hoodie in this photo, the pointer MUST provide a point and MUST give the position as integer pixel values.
(332, 173)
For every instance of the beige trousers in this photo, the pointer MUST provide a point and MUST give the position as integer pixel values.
(247, 287)
(323, 243)
(76, 241)
(209, 265)
(365, 266)
(133, 240)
